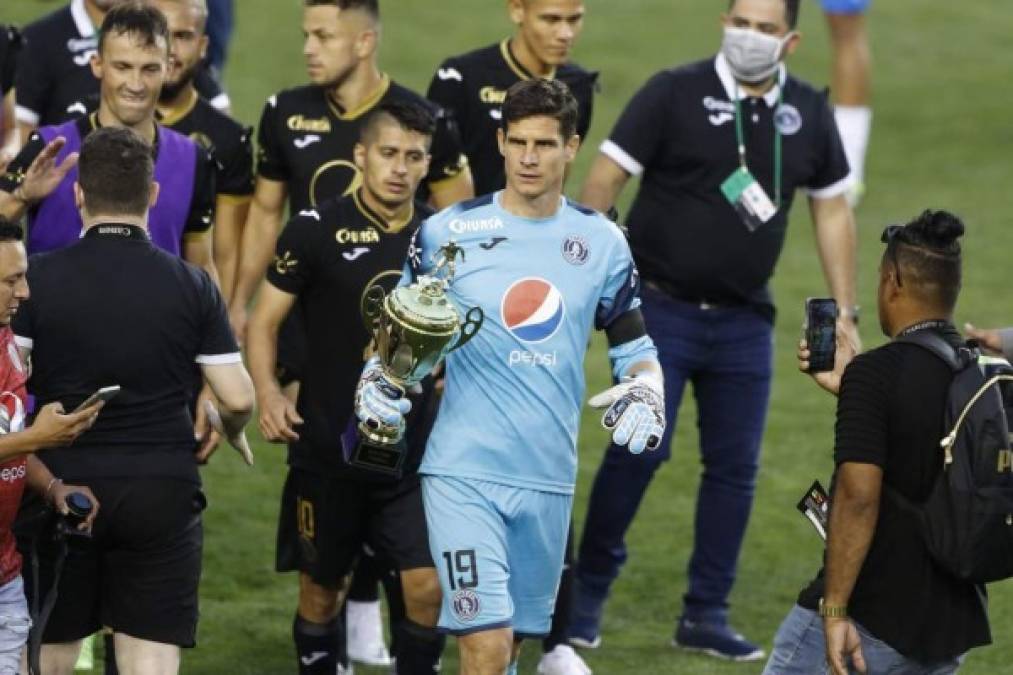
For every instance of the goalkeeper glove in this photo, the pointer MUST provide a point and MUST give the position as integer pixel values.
(635, 412)
(379, 403)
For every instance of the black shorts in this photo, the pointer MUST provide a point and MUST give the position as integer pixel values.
(325, 521)
(291, 347)
(138, 573)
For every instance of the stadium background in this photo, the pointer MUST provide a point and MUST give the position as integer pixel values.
(942, 138)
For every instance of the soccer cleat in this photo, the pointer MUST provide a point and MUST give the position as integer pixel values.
(365, 634)
(562, 660)
(715, 639)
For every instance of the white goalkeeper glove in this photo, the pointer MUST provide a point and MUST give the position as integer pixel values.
(635, 412)
(379, 403)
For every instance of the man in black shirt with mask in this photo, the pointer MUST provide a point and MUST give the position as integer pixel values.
(880, 601)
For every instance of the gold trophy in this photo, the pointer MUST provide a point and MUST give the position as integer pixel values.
(414, 328)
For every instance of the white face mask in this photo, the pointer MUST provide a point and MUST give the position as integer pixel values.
(752, 56)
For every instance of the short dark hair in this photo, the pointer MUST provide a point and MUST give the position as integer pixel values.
(10, 231)
(410, 116)
(371, 7)
(926, 253)
(538, 97)
(791, 8)
(115, 172)
(140, 20)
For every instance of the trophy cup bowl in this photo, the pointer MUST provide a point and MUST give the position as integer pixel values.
(414, 328)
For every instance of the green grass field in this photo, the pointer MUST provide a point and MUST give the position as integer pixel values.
(941, 139)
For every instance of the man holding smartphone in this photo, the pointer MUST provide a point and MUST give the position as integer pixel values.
(721, 146)
(18, 444)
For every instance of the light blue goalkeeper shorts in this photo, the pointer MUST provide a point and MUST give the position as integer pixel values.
(499, 553)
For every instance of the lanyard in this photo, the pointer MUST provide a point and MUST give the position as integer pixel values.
(740, 139)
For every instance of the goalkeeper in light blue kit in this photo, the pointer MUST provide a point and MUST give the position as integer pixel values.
(501, 461)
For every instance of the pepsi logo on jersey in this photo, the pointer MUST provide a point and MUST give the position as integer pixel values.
(532, 310)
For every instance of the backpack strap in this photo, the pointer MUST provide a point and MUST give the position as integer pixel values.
(956, 358)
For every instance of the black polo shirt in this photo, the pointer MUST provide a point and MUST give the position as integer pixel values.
(306, 141)
(115, 309)
(473, 86)
(678, 135)
(327, 257)
(54, 81)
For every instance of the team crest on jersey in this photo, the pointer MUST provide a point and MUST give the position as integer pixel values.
(532, 309)
(12, 413)
(466, 605)
(787, 119)
(575, 250)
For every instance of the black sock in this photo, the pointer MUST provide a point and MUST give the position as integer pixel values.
(110, 654)
(365, 580)
(319, 648)
(564, 601)
(418, 649)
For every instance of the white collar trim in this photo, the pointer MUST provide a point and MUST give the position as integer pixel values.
(81, 19)
(728, 81)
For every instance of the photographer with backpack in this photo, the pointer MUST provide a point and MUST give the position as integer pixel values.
(902, 586)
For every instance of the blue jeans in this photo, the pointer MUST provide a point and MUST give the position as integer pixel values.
(800, 649)
(14, 625)
(726, 353)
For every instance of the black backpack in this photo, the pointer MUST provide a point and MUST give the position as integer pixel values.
(967, 520)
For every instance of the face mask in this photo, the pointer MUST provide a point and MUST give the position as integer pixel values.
(752, 56)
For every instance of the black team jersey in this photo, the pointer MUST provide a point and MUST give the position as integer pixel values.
(306, 141)
(54, 81)
(328, 257)
(473, 86)
(228, 142)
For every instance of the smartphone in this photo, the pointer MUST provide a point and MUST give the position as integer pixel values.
(820, 327)
(103, 394)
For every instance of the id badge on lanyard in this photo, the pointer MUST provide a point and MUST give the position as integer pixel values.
(742, 190)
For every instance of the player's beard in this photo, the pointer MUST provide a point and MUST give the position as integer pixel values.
(170, 90)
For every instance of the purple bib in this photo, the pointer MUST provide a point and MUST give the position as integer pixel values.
(56, 223)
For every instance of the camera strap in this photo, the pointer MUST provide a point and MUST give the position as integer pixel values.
(40, 617)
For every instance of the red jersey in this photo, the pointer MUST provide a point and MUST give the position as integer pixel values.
(13, 399)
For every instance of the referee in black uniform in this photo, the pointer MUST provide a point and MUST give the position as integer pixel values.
(721, 146)
(326, 259)
(113, 309)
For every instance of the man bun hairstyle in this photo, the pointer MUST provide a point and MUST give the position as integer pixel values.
(927, 251)
(115, 172)
(537, 98)
(409, 116)
(10, 231)
(140, 20)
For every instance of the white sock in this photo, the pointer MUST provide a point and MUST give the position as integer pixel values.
(854, 124)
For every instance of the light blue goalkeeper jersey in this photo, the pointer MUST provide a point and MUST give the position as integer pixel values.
(513, 394)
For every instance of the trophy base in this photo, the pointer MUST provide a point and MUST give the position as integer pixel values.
(386, 459)
(363, 451)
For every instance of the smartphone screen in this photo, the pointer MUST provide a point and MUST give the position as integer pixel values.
(821, 333)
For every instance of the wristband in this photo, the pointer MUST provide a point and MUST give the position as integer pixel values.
(49, 488)
(850, 313)
(828, 612)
